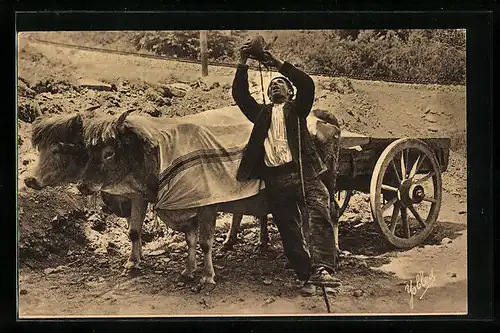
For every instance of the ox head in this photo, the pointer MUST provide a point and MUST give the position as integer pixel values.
(116, 148)
(62, 155)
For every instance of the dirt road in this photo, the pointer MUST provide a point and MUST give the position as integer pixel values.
(88, 282)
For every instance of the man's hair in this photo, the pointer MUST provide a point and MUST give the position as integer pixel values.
(288, 83)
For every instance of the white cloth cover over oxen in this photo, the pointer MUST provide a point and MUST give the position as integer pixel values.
(199, 158)
(200, 155)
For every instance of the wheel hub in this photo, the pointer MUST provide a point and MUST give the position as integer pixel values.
(410, 193)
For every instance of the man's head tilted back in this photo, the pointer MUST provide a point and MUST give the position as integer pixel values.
(280, 90)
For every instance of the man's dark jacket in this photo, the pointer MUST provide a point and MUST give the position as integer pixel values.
(252, 164)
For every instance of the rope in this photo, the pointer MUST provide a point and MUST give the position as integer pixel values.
(262, 84)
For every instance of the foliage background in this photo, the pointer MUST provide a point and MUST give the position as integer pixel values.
(430, 56)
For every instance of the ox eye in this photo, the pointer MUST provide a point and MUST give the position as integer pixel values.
(109, 155)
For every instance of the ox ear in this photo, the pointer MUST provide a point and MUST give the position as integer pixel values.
(77, 121)
(121, 120)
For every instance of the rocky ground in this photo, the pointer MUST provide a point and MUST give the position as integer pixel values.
(71, 253)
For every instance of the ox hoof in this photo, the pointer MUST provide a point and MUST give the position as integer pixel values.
(131, 271)
(131, 267)
(204, 286)
(228, 246)
(263, 247)
(186, 277)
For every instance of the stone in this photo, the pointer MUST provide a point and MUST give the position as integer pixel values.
(55, 270)
(363, 264)
(269, 300)
(431, 118)
(94, 84)
(152, 111)
(357, 293)
(267, 282)
(176, 90)
(157, 252)
(446, 240)
(248, 236)
(176, 247)
(101, 250)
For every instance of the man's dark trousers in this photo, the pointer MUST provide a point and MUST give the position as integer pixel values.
(284, 191)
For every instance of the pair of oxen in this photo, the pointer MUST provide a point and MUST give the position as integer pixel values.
(118, 157)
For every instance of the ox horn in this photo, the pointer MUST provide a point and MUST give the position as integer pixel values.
(121, 119)
(77, 121)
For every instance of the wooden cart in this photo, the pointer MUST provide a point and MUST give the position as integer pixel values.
(403, 178)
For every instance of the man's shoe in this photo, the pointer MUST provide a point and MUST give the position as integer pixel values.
(321, 278)
(308, 290)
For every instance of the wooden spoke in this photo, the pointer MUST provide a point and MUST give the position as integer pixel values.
(415, 167)
(406, 222)
(417, 216)
(389, 188)
(430, 199)
(403, 169)
(389, 204)
(396, 171)
(424, 178)
(420, 162)
(394, 217)
(407, 160)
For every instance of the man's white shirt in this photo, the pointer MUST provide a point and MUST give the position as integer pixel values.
(276, 144)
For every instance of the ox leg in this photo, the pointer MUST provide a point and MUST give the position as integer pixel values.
(336, 235)
(191, 240)
(232, 234)
(137, 215)
(207, 217)
(334, 213)
(263, 243)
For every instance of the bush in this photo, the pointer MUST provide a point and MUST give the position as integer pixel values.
(432, 56)
(186, 44)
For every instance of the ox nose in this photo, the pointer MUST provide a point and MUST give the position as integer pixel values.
(83, 189)
(33, 183)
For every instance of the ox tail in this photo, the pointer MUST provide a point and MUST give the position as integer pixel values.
(156, 222)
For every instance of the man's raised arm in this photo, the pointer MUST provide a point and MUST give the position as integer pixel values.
(305, 88)
(240, 89)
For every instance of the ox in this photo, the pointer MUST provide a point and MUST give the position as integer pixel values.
(122, 161)
(62, 156)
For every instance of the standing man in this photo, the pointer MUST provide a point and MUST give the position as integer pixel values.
(290, 171)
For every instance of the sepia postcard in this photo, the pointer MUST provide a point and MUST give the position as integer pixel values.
(212, 173)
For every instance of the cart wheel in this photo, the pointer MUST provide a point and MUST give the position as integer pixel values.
(406, 192)
(342, 198)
